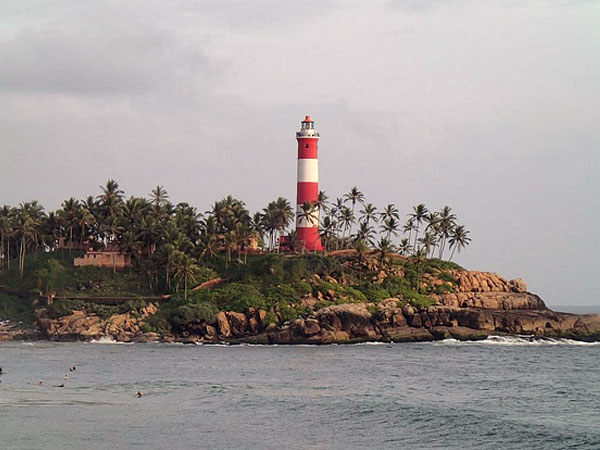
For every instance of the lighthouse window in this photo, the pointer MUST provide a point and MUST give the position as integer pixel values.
(306, 146)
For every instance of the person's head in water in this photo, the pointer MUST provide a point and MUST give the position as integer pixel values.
(139, 394)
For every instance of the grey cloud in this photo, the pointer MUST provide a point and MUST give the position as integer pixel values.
(110, 57)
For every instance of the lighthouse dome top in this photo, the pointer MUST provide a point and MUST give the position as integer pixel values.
(307, 129)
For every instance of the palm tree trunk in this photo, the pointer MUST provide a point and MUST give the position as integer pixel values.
(452, 254)
(416, 236)
(22, 257)
(185, 286)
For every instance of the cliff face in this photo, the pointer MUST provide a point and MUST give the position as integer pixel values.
(483, 304)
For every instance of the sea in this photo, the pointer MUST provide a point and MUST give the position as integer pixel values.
(500, 393)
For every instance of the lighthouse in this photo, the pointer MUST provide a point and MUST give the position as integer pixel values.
(307, 221)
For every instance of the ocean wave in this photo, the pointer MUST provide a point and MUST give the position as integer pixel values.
(107, 340)
(518, 341)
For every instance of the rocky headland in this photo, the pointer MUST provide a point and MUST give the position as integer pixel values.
(481, 304)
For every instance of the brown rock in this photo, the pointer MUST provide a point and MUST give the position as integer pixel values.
(238, 323)
(223, 324)
(518, 285)
(310, 327)
(211, 331)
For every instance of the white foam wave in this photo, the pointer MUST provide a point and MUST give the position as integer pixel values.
(108, 340)
(519, 341)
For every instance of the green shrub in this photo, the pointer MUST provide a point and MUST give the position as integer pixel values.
(238, 297)
(416, 299)
(289, 313)
(375, 312)
(15, 309)
(146, 328)
(183, 317)
(302, 287)
(396, 285)
(271, 318)
(281, 295)
(447, 277)
(325, 286)
(443, 288)
(353, 294)
(159, 323)
(374, 293)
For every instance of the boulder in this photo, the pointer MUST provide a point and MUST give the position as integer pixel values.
(222, 324)
(353, 318)
(518, 285)
(146, 337)
(238, 323)
(310, 327)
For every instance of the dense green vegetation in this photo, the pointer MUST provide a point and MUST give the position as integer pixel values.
(175, 247)
(15, 309)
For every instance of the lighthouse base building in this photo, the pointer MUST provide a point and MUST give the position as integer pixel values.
(307, 213)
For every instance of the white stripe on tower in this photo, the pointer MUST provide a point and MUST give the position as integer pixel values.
(308, 171)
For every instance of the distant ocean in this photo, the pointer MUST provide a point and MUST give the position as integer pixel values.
(503, 393)
(577, 309)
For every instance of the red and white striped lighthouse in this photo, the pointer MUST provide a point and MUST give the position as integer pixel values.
(308, 185)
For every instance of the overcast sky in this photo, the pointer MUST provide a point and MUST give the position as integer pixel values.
(491, 107)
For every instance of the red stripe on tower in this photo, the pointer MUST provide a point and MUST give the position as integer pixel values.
(307, 226)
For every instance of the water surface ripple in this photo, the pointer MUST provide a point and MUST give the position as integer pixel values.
(505, 393)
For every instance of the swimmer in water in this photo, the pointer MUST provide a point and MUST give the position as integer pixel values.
(1, 372)
(139, 394)
(64, 383)
(72, 369)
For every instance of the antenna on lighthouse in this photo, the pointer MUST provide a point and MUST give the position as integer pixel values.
(307, 213)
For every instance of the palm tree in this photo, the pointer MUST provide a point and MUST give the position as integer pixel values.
(185, 268)
(408, 227)
(346, 220)
(418, 215)
(293, 241)
(354, 196)
(308, 213)
(433, 227)
(390, 226)
(447, 222)
(428, 241)
(369, 213)
(459, 238)
(321, 203)
(159, 197)
(384, 248)
(277, 216)
(404, 248)
(70, 215)
(27, 220)
(85, 220)
(364, 233)
(420, 256)
(209, 245)
(6, 230)
(389, 212)
(328, 231)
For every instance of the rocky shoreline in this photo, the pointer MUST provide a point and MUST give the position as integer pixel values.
(482, 305)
